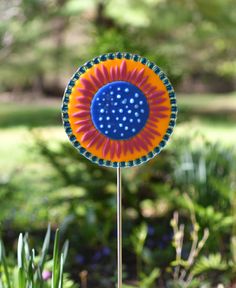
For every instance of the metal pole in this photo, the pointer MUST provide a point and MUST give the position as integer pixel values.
(119, 229)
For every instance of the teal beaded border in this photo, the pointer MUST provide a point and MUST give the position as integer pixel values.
(119, 55)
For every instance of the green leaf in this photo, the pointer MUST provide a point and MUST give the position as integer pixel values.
(4, 263)
(212, 262)
(138, 238)
(148, 281)
(31, 269)
(21, 278)
(56, 264)
(26, 247)
(45, 248)
(180, 262)
(65, 249)
(20, 251)
(61, 271)
(20, 258)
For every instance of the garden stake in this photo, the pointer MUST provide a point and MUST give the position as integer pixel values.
(119, 110)
(119, 228)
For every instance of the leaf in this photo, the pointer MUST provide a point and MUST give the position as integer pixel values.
(61, 271)
(26, 247)
(4, 263)
(148, 281)
(20, 258)
(56, 264)
(180, 262)
(20, 251)
(65, 249)
(212, 262)
(21, 278)
(1, 284)
(138, 238)
(45, 248)
(31, 269)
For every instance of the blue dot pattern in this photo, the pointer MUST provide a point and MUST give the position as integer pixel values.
(119, 110)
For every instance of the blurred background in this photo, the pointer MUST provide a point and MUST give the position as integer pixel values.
(44, 180)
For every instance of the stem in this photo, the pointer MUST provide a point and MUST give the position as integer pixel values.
(119, 229)
(139, 266)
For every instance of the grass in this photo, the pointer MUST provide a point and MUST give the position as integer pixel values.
(223, 132)
(29, 115)
(16, 144)
(213, 109)
(208, 102)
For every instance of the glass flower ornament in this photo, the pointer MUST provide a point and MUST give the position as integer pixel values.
(119, 110)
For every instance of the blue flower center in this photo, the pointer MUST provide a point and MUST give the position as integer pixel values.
(119, 110)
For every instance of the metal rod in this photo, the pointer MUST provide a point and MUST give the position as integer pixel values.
(119, 229)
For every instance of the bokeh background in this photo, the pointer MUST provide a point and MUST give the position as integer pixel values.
(44, 180)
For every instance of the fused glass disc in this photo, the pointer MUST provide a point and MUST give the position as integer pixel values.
(119, 109)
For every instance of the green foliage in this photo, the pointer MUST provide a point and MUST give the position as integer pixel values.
(211, 262)
(82, 199)
(31, 268)
(184, 267)
(138, 238)
(186, 271)
(47, 34)
(63, 186)
(206, 173)
(148, 281)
